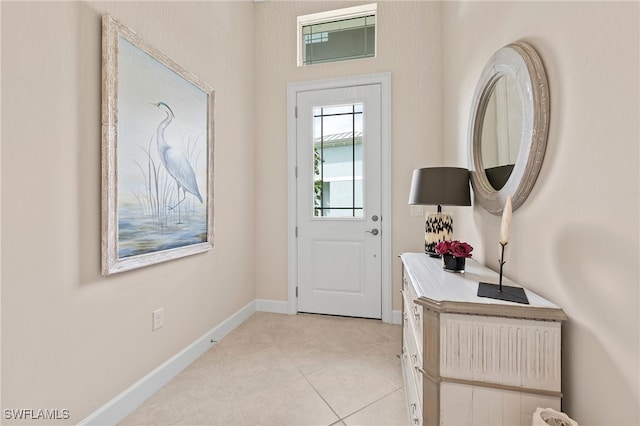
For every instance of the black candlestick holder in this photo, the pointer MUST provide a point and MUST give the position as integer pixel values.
(498, 291)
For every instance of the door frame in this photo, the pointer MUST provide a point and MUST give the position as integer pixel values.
(384, 80)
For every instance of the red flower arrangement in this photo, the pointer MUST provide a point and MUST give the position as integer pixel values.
(454, 248)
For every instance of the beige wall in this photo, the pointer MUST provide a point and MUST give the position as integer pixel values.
(70, 337)
(409, 47)
(575, 239)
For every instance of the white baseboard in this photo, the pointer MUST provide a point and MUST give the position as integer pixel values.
(274, 306)
(124, 404)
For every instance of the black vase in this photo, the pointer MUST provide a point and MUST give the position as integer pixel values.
(452, 263)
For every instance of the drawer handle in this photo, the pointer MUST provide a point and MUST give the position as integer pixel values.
(416, 366)
(416, 313)
(414, 409)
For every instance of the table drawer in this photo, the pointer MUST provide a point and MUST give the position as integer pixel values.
(414, 360)
(413, 311)
(412, 382)
(413, 316)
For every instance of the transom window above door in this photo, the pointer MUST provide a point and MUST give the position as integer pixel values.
(337, 35)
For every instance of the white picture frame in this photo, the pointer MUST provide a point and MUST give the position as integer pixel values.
(157, 155)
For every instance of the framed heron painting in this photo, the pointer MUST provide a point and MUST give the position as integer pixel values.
(157, 155)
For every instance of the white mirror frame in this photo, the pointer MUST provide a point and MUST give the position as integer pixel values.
(520, 61)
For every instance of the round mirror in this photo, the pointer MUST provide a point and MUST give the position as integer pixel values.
(501, 131)
(509, 127)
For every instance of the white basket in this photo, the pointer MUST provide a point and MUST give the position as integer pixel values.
(551, 417)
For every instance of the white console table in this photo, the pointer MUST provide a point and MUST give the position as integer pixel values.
(469, 360)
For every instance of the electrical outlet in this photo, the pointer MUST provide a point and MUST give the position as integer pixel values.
(158, 318)
(417, 210)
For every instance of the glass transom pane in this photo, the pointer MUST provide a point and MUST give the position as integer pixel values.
(339, 40)
(337, 161)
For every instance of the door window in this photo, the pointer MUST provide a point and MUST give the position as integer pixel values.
(337, 161)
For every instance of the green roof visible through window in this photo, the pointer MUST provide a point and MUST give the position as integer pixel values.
(315, 37)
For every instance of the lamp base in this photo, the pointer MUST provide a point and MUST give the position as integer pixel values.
(510, 294)
(438, 227)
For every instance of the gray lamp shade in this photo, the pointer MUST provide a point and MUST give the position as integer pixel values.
(447, 186)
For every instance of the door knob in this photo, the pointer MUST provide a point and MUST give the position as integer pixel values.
(374, 231)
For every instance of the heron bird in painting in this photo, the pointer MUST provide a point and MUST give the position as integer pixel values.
(174, 161)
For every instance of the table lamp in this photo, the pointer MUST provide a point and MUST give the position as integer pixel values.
(448, 186)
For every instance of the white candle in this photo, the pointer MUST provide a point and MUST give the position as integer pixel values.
(506, 222)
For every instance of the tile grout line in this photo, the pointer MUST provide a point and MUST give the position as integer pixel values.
(309, 382)
(340, 418)
(323, 400)
(352, 357)
(371, 403)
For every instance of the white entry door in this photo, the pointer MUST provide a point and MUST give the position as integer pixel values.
(338, 196)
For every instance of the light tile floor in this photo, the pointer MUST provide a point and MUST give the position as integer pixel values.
(288, 370)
